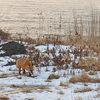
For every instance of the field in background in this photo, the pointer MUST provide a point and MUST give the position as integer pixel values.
(38, 17)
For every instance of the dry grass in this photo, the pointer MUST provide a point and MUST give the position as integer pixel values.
(4, 35)
(15, 86)
(42, 87)
(98, 94)
(31, 48)
(46, 70)
(19, 77)
(53, 76)
(92, 73)
(1, 88)
(14, 57)
(84, 78)
(22, 86)
(83, 90)
(87, 64)
(49, 90)
(1, 60)
(25, 39)
(3, 76)
(85, 84)
(1, 71)
(27, 90)
(48, 80)
(61, 93)
(4, 98)
(10, 63)
(64, 84)
(78, 98)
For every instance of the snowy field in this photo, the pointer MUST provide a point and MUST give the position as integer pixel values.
(39, 87)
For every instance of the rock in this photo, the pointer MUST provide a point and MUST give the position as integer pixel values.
(12, 48)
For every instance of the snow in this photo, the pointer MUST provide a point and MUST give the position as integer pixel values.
(52, 90)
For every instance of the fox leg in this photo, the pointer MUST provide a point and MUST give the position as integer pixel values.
(19, 71)
(29, 74)
(23, 71)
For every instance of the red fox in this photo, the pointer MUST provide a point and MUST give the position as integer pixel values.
(25, 64)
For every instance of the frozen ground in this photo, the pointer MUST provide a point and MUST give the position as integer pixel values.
(22, 87)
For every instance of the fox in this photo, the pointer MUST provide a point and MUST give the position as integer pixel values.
(25, 64)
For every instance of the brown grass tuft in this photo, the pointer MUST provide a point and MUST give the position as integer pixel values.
(63, 84)
(92, 73)
(48, 80)
(53, 76)
(61, 93)
(1, 60)
(19, 77)
(4, 35)
(31, 48)
(84, 78)
(83, 90)
(87, 64)
(14, 86)
(4, 98)
(41, 87)
(27, 90)
(3, 76)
